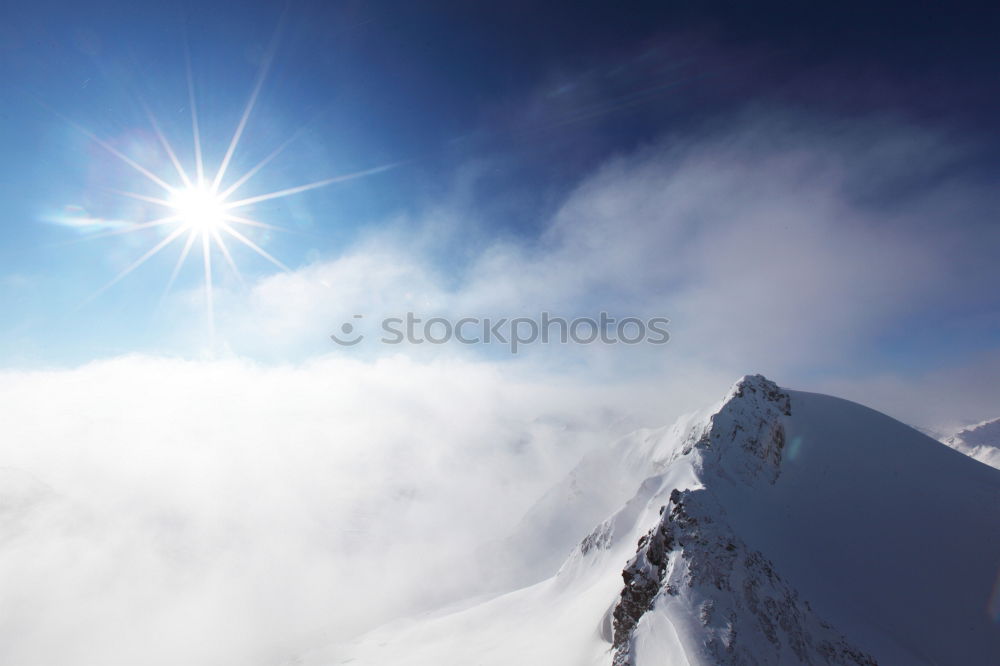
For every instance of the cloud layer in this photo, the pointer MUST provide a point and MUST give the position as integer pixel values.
(804, 248)
(165, 512)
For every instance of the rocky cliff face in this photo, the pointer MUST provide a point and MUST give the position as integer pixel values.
(747, 613)
(691, 564)
(745, 437)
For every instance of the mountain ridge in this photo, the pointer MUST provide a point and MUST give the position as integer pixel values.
(776, 527)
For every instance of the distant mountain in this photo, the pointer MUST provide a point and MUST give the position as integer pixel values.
(778, 527)
(980, 441)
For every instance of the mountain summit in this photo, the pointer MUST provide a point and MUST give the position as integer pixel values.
(778, 527)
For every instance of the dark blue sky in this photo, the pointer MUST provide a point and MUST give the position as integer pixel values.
(528, 97)
(551, 88)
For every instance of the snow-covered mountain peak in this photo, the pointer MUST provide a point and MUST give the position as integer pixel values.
(760, 390)
(745, 436)
(980, 441)
(740, 439)
(777, 527)
(692, 578)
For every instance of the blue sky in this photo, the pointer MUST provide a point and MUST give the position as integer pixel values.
(500, 124)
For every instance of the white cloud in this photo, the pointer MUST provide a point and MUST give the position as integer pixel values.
(780, 244)
(165, 512)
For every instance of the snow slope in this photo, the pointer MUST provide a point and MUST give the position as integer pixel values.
(594, 489)
(980, 441)
(779, 527)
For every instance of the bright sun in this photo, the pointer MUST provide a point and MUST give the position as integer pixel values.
(199, 209)
(202, 209)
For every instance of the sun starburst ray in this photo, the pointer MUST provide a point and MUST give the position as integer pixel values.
(234, 142)
(142, 197)
(264, 162)
(167, 240)
(123, 157)
(138, 226)
(257, 167)
(132, 226)
(108, 147)
(166, 146)
(217, 237)
(310, 186)
(265, 66)
(199, 163)
(253, 246)
(206, 253)
(255, 223)
(180, 262)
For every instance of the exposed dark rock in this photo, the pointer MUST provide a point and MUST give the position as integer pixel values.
(741, 602)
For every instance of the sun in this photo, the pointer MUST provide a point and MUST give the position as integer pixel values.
(199, 210)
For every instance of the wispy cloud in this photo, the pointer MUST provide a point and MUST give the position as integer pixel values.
(779, 243)
(77, 217)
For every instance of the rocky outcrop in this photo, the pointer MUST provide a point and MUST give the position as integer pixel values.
(745, 438)
(692, 565)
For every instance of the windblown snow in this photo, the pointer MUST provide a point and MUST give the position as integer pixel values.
(980, 441)
(778, 527)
